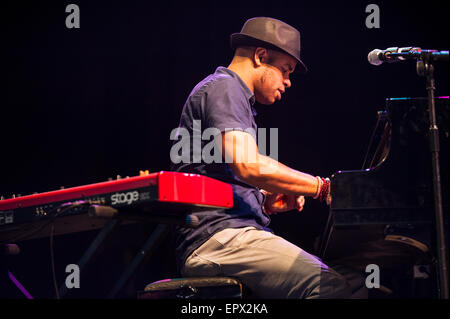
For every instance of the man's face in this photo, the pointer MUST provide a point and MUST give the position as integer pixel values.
(274, 77)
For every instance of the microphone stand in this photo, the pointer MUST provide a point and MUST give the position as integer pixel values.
(425, 67)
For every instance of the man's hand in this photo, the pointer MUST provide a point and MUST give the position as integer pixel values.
(276, 203)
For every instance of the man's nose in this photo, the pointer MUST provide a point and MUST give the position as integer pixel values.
(287, 83)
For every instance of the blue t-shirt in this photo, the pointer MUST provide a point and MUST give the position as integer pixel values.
(222, 101)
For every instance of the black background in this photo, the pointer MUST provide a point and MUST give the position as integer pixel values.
(81, 105)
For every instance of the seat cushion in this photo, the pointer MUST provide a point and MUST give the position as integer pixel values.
(195, 287)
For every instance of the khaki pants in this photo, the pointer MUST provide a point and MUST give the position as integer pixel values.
(267, 264)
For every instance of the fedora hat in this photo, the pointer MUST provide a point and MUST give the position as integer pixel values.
(270, 33)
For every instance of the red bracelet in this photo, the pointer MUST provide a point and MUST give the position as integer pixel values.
(325, 189)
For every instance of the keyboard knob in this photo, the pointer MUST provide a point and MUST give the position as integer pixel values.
(143, 173)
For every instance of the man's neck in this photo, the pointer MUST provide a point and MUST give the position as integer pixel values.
(243, 70)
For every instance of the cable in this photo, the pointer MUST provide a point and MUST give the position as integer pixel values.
(52, 259)
(52, 234)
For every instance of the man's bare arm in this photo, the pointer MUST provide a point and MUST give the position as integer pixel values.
(262, 171)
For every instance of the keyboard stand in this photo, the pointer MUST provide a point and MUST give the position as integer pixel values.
(107, 229)
(148, 248)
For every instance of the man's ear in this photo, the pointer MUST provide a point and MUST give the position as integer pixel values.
(260, 56)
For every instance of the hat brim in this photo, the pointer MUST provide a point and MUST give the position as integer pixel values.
(240, 39)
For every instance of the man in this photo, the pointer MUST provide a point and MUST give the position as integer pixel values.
(236, 242)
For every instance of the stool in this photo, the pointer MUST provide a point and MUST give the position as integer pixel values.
(193, 288)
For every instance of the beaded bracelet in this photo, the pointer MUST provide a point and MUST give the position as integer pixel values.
(325, 189)
(319, 187)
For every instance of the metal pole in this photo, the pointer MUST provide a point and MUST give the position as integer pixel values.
(426, 68)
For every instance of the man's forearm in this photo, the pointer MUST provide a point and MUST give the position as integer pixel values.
(273, 176)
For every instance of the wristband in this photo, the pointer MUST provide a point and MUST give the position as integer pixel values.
(319, 187)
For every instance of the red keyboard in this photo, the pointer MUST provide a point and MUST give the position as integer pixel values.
(162, 194)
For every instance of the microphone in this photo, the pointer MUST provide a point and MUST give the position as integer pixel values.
(377, 56)
(395, 54)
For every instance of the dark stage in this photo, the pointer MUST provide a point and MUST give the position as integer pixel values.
(82, 105)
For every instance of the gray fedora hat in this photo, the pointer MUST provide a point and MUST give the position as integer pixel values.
(271, 33)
